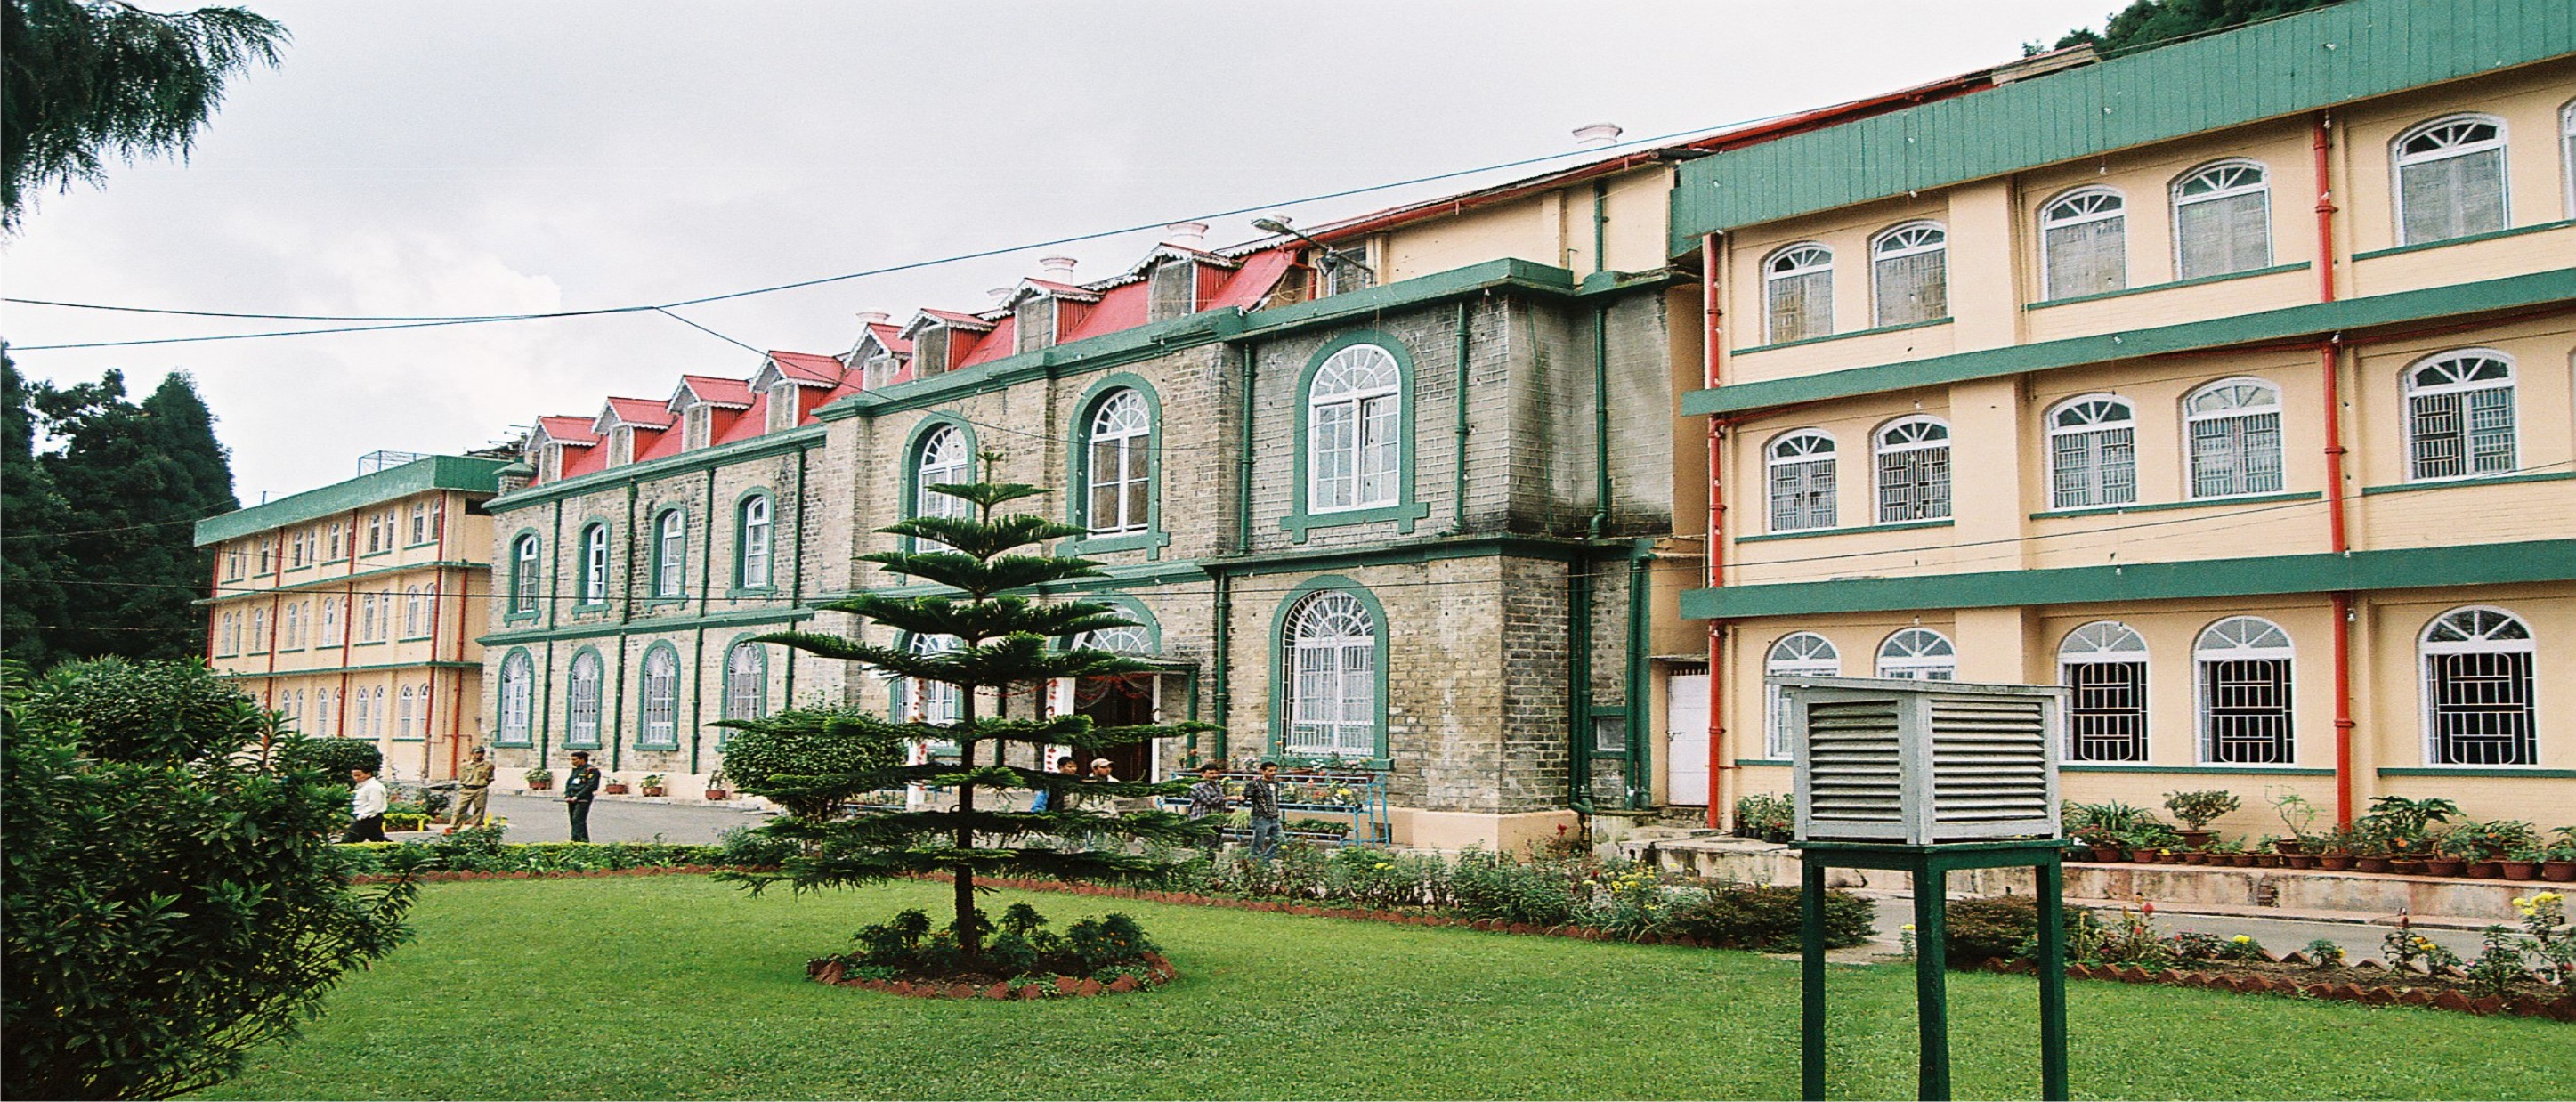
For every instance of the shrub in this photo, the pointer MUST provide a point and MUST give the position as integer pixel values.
(332, 757)
(1489, 885)
(907, 945)
(792, 757)
(747, 848)
(2006, 927)
(2200, 808)
(1767, 817)
(1767, 917)
(147, 711)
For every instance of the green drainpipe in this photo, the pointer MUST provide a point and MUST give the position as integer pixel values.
(1578, 696)
(1221, 690)
(1641, 788)
(1458, 431)
(1600, 422)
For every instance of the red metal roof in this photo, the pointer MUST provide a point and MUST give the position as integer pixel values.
(990, 346)
(749, 423)
(807, 368)
(717, 391)
(963, 321)
(574, 431)
(891, 336)
(1248, 285)
(641, 412)
(1121, 307)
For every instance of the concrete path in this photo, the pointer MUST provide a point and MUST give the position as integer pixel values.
(536, 819)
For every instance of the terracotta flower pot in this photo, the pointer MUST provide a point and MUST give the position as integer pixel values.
(2300, 860)
(2143, 856)
(2558, 871)
(540, 786)
(718, 794)
(2269, 860)
(2195, 857)
(2334, 862)
(2196, 838)
(2481, 870)
(2519, 870)
(2370, 864)
(2241, 860)
(2289, 845)
(2444, 866)
(613, 788)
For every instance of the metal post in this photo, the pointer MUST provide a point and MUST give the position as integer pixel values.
(1811, 977)
(1931, 979)
(2052, 981)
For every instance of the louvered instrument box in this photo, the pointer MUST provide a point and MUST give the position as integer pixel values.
(1922, 762)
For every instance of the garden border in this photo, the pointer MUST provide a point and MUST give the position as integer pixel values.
(829, 970)
(2562, 1009)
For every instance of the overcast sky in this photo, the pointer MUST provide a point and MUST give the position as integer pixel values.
(455, 158)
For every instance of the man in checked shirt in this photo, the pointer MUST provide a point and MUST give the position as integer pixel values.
(1261, 797)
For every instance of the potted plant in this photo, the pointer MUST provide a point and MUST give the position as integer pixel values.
(539, 779)
(2333, 849)
(2298, 815)
(2522, 862)
(614, 788)
(652, 784)
(2447, 853)
(716, 789)
(2265, 852)
(2558, 862)
(2197, 810)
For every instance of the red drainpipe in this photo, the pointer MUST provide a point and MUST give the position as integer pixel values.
(1716, 547)
(2337, 539)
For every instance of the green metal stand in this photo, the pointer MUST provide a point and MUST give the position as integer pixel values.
(1930, 867)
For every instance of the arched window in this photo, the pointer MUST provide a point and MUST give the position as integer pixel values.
(1355, 431)
(1913, 470)
(2567, 153)
(404, 715)
(746, 681)
(1121, 491)
(2092, 452)
(1129, 640)
(294, 626)
(2459, 415)
(2105, 663)
(1798, 294)
(2478, 689)
(2084, 243)
(362, 715)
(518, 699)
(1802, 653)
(2222, 220)
(671, 554)
(1332, 676)
(412, 613)
(594, 565)
(330, 634)
(935, 701)
(941, 460)
(1909, 274)
(366, 617)
(1801, 480)
(259, 631)
(2241, 671)
(322, 713)
(581, 701)
(659, 699)
(2234, 426)
(523, 574)
(753, 539)
(378, 697)
(1918, 654)
(2450, 179)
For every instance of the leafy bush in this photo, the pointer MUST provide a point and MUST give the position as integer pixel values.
(2005, 927)
(170, 899)
(747, 848)
(1767, 817)
(1490, 885)
(1021, 948)
(793, 757)
(1767, 917)
(2198, 809)
(477, 855)
(332, 757)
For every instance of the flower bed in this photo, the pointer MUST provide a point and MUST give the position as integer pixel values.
(1156, 972)
(2369, 982)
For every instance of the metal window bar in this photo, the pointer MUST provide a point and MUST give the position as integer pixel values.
(2107, 718)
(1912, 288)
(2482, 709)
(2452, 197)
(1330, 795)
(2094, 467)
(1914, 484)
(1802, 494)
(2236, 455)
(2248, 711)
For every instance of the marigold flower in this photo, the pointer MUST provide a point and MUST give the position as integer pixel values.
(2243, 939)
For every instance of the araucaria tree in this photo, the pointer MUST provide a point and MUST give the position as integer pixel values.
(994, 643)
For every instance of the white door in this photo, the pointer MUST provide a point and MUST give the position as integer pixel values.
(1686, 739)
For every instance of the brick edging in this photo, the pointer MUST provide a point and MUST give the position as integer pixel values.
(2374, 994)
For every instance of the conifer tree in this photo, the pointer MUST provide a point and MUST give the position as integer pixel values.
(32, 566)
(1002, 642)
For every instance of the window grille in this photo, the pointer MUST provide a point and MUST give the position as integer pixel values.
(581, 701)
(294, 627)
(1354, 441)
(1332, 671)
(412, 613)
(1801, 653)
(1130, 640)
(2450, 179)
(2084, 244)
(363, 715)
(2222, 221)
(420, 522)
(943, 461)
(697, 426)
(2105, 664)
(1913, 470)
(1798, 294)
(746, 682)
(671, 555)
(594, 565)
(2478, 689)
(936, 701)
(1346, 269)
(1918, 654)
(2243, 665)
(1802, 481)
(1910, 274)
(1120, 489)
(661, 703)
(755, 543)
(1174, 290)
(2235, 431)
(2459, 416)
(1033, 324)
(330, 633)
(518, 695)
(2093, 458)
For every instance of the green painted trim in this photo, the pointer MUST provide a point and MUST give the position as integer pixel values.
(803, 437)
(2447, 483)
(335, 581)
(2161, 506)
(2313, 319)
(1853, 530)
(2490, 235)
(1400, 554)
(606, 629)
(1781, 762)
(1278, 741)
(511, 608)
(2480, 771)
(600, 706)
(724, 684)
(741, 502)
(653, 515)
(910, 491)
(1133, 608)
(438, 472)
(359, 643)
(581, 601)
(536, 701)
(1405, 510)
(2196, 281)
(2232, 770)
(1077, 503)
(640, 725)
(2400, 568)
(334, 671)
(1804, 341)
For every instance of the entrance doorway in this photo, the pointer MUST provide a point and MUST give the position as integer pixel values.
(1122, 700)
(1686, 738)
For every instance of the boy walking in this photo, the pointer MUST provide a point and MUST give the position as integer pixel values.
(1261, 797)
(1208, 798)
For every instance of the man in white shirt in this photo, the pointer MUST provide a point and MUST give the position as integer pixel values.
(366, 808)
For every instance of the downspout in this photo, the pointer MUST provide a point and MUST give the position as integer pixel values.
(2338, 539)
(796, 575)
(1458, 432)
(544, 708)
(1578, 696)
(1641, 787)
(616, 704)
(1221, 690)
(698, 650)
(1711, 334)
(1600, 422)
(1601, 224)
(1245, 365)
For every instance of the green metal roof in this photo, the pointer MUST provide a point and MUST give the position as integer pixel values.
(2287, 66)
(437, 472)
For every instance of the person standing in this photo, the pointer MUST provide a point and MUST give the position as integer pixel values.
(366, 808)
(473, 790)
(1208, 798)
(581, 785)
(1261, 797)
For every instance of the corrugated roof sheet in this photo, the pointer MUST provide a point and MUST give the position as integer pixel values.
(469, 474)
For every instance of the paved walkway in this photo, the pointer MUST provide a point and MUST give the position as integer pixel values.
(537, 819)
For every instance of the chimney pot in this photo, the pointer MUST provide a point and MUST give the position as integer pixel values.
(873, 317)
(1186, 234)
(1001, 294)
(1057, 268)
(1596, 135)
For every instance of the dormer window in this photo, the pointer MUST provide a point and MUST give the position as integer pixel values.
(1345, 269)
(879, 370)
(782, 406)
(621, 446)
(1174, 292)
(696, 426)
(930, 351)
(550, 462)
(1034, 322)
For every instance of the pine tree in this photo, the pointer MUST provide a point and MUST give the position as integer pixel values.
(2146, 23)
(1001, 643)
(32, 565)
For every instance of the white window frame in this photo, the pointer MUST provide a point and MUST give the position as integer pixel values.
(754, 538)
(1800, 261)
(746, 681)
(2474, 636)
(2234, 178)
(781, 413)
(291, 626)
(1904, 242)
(1916, 444)
(523, 574)
(1917, 654)
(657, 700)
(1797, 654)
(1332, 698)
(517, 699)
(2080, 207)
(2567, 158)
(1161, 304)
(2100, 434)
(2234, 639)
(2417, 394)
(1813, 449)
(671, 555)
(934, 702)
(697, 426)
(363, 715)
(2399, 160)
(405, 715)
(2238, 408)
(1124, 423)
(2108, 643)
(411, 621)
(583, 685)
(1355, 431)
(594, 564)
(331, 634)
(941, 458)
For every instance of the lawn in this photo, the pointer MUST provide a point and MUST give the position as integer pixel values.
(679, 987)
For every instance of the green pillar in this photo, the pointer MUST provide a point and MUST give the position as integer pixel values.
(1932, 980)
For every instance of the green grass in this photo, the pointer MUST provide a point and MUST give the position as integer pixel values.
(679, 987)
